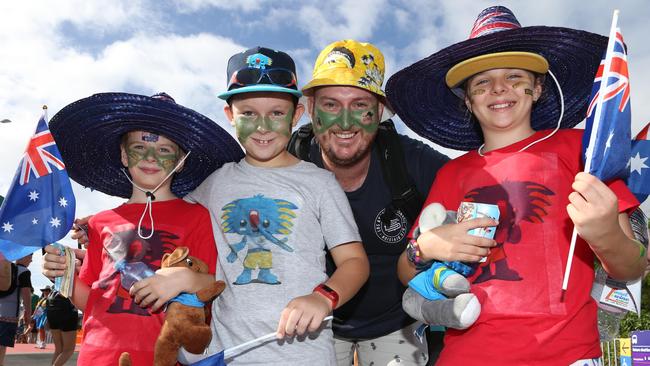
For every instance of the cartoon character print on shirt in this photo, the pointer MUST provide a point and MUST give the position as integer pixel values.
(122, 241)
(258, 221)
(517, 201)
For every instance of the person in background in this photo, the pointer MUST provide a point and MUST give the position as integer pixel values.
(10, 306)
(62, 318)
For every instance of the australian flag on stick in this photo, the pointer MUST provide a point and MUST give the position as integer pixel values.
(606, 140)
(607, 134)
(40, 206)
(639, 179)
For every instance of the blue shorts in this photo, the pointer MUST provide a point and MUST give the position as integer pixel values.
(8, 333)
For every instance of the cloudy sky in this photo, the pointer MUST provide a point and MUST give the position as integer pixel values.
(54, 53)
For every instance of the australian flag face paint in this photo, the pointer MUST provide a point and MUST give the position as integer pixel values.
(149, 137)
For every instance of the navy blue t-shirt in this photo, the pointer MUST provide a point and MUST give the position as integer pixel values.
(376, 310)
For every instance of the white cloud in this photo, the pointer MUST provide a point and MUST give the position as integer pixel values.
(190, 6)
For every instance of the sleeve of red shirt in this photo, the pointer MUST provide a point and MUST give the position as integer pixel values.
(92, 264)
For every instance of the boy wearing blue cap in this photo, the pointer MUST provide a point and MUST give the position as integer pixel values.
(273, 217)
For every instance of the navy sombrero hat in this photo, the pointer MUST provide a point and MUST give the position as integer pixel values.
(425, 94)
(88, 133)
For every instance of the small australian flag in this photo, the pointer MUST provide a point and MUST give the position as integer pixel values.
(39, 208)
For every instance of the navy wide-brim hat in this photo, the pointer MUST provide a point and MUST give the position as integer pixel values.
(422, 99)
(88, 133)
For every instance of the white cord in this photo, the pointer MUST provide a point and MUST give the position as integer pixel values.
(147, 206)
(557, 127)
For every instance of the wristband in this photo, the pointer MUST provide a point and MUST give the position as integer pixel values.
(413, 254)
(329, 293)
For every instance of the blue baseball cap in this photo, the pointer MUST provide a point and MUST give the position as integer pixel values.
(261, 69)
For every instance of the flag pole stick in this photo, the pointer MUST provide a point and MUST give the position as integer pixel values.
(594, 131)
(230, 351)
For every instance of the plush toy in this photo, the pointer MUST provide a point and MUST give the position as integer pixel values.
(184, 324)
(440, 294)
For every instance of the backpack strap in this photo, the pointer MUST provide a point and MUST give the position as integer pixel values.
(405, 195)
(300, 142)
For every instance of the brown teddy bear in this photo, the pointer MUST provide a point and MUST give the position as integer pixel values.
(184, 324)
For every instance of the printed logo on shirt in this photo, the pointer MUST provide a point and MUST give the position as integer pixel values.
(258, 223)
(123, 242)
(390, 226)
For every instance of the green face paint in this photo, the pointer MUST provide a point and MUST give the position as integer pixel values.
(137, 153)
(367, 119)
(247, 125)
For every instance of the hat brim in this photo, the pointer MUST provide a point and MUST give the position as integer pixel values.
(260, 88)
(308, 89)
(420, 96)
(88, 134)
(502, 60)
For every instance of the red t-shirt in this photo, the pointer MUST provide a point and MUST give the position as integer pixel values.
(523, 320)
(113, 323)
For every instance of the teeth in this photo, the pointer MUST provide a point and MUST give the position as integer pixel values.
(343, 135)
(502, 105)
(262, 142)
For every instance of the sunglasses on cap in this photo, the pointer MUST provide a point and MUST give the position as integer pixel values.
(253, 76)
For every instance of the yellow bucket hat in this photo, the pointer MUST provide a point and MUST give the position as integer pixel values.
(350, 63)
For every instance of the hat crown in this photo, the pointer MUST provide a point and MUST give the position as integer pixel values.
(350, 63)
(259, 58)
(494, 19)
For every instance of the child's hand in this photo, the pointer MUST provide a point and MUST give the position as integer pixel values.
(54, 263)
(451, 242)
(302, 314)
(157, 290)
(79, 232)
(593, 208)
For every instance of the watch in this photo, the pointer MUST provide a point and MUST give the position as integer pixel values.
(329, 293)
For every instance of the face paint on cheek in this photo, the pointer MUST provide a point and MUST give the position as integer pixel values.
(245, 127)
(477, 92)
(525, 85)
(528, 91)
(282, 124)
(324, 120)
(167, 161)
(366, 119)
(134, 157)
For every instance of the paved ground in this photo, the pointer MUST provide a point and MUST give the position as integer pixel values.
(28, 355)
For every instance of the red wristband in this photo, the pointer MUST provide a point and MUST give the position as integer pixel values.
(329, 293)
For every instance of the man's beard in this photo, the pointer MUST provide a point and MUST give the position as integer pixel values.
(347, 162)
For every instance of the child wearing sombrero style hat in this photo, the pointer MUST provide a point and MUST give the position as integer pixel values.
(151, 151)
(488, 95)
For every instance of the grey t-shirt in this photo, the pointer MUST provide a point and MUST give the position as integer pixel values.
(272, 226)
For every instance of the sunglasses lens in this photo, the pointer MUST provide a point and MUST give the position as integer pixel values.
(247, 76)
(281, 77)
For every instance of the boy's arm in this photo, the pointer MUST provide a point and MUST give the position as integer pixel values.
(593, 208)
(166, 284)
(306, 313)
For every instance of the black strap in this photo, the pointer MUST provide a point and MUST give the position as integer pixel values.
(405, 195)
(300, 142)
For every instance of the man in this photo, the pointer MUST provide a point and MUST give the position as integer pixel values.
(346, 102)
(10, 305)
